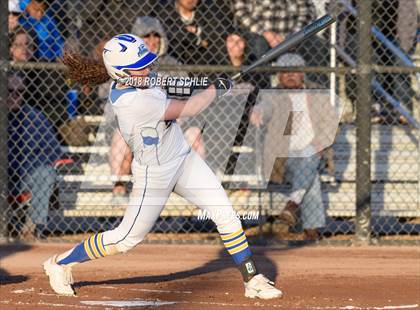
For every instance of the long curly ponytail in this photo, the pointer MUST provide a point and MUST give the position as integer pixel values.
(85, 71)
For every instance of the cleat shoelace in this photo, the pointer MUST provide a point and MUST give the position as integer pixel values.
(266, 281)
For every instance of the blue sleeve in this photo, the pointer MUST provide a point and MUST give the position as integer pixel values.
(24, 22)
(57, 40)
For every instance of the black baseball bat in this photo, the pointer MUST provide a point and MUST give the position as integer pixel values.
(290, 42)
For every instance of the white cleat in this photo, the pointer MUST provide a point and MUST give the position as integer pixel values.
(61, 278)
(260, 287)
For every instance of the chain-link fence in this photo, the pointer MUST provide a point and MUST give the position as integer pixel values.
(323, 143)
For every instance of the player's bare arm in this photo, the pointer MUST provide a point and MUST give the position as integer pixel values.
(198, 102)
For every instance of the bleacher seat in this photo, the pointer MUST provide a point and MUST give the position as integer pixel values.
(395, 181)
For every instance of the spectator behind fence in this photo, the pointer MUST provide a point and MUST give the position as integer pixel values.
(48, 40)
(43, 88)
(238, 53)
(222, 119)
(151, 31)
(93, 20)
(272, 19)
(190, 31)
(14, 13)
(32, 150)
(303, 132)
(21, 45)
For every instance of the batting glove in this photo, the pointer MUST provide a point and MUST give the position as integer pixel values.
(223, 86)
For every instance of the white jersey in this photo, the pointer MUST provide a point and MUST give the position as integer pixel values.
(139, 114)
(302, 131)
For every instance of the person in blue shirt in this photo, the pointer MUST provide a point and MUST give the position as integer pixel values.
(38, 20)
(33, 148)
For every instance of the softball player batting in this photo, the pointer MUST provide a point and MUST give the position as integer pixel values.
(163, 162)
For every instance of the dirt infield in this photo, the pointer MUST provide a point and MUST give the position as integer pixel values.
(203, 277)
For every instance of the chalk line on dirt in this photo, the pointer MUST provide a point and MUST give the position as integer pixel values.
(41, 303)
(128, 303)
(397, 307)
(367, 308)
(26, 290)
(46, 294)
(148, 303)
(148, 290)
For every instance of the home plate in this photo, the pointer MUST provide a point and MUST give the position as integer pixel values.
(127, 303)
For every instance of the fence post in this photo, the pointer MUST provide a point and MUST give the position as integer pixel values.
(4, 58)
(363, 124)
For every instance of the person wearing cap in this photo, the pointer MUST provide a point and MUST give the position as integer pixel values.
(297, 116)
(14, 13)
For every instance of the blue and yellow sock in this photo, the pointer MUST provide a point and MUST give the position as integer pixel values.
(237, 245)
(89, 249)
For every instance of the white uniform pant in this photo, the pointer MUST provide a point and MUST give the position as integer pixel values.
(190, 177)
